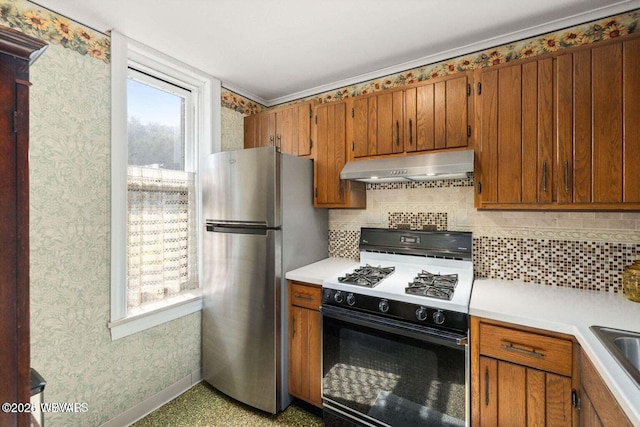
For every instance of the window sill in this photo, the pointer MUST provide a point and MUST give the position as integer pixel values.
(155, 314)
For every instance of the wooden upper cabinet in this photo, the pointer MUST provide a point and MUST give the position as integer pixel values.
(305, 142)
(330, 134)
(430, 115)
(515, 105)
(378, 124)
(437, 114)
(288, 128)
(561, 131)
(598, 125)
(252, 131)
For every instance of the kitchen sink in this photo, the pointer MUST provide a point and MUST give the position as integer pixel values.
(624, 346)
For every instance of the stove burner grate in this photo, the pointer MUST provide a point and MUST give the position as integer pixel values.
(427, 284)
(368, 276)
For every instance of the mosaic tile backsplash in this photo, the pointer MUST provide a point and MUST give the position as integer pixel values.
(581, 250)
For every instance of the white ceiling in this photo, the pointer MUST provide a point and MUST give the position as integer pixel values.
(275, 51)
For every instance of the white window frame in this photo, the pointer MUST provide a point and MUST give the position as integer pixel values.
(206, 97)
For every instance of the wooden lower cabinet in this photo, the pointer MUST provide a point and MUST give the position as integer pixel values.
(598, 407)
(521, 376)
(305, 339)
(515, 395)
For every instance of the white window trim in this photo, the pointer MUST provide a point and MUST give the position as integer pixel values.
(123, 51)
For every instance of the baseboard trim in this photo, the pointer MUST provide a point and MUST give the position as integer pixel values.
(149, 405)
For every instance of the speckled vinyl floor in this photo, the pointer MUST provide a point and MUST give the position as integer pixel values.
(202, 406)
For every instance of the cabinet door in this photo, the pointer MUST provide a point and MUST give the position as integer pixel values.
(389, 119)
(436, 115)
(305, 370)
(252, 131)
(385, 132)
(631, 121)
(500, 137)
(304, 129)
(516, 133)
(514, 395)
(267, 129)
(287, 130)
(598, 405)
(598, 126)
(298, 351)
(588, 415)
(362, 133)
(330, 158)
(455, 112)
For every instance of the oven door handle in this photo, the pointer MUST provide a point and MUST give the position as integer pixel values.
(422, 333)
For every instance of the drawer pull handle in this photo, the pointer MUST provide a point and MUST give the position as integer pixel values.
(303, 297)
(511, 347)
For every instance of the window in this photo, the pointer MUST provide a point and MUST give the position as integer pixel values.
(161, 124)
(162, 227)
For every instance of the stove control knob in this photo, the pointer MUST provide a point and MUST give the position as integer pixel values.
(351, 300)
(421, 314)
(438, 317)
(383, 306)
(338, 297)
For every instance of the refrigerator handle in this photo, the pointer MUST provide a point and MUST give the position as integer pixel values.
(237, 227)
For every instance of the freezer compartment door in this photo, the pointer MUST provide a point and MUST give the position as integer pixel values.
(239, 341)
(243, 185)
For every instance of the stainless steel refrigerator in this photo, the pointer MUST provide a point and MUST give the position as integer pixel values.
(260, 223)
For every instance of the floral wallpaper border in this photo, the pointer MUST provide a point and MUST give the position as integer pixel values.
(592, 32)
(239, 103)
(53, 28)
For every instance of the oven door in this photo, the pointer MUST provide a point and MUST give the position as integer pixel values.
(384, 372)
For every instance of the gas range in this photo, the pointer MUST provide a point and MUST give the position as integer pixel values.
(394, 351)
(413, 260)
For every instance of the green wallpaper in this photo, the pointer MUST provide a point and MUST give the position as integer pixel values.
(70, 254)
(70, 236)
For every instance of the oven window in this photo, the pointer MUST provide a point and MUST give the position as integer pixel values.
(392, 378)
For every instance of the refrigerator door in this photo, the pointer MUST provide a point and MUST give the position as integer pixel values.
(243, 185)
(240, 317)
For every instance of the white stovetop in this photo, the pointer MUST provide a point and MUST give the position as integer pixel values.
(406, 269)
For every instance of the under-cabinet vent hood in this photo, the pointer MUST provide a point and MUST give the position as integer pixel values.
(419, 167)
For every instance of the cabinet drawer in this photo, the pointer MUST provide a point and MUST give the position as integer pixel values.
(525, 348)
(308, 296)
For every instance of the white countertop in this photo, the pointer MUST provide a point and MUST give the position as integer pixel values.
(568, 311)
(558, 309)
(315, 273)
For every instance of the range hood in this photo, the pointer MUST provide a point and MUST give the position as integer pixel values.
(419, 167)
